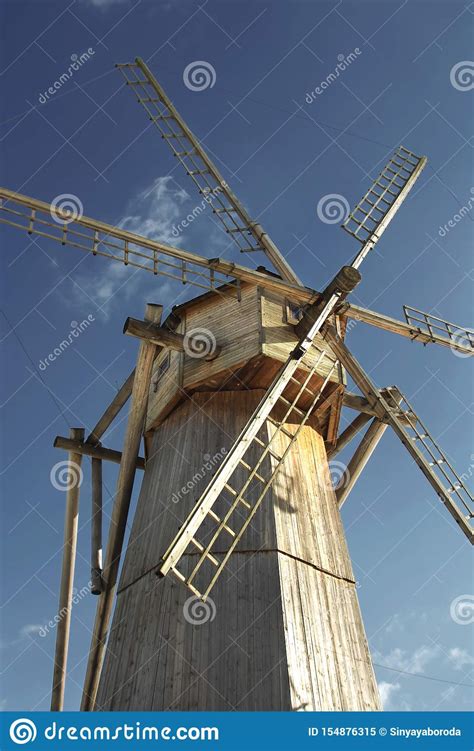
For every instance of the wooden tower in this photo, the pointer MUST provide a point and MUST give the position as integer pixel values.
(283, 629)
(237, 590)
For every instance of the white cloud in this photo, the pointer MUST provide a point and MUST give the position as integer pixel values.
(153, 213)
(416, 662)
(387, 691)
(104, 3)
(30, 629)
(460, 658)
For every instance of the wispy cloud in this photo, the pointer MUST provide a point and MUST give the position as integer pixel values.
(415, 662)
(460, 659)
(152, 213)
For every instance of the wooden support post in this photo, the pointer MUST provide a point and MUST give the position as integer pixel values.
(348, 434)
(361, 456)
(163, 337)
(98, 452)
(133, 434)
(112, 410)
(71, 520)
(96, 528)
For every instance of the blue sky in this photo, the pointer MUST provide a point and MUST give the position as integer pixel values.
(281, 154)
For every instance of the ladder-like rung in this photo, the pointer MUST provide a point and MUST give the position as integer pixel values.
(173, 135)
(250, 469)
(225, 211)
(294, 408)
(161, 117)
(237, 229)
(198, 172)
(217, 519)
(148, 100)
(141, 82)
(185, 153)
(280, 428)
(201, 549)
(438, 461)
(454, 488)
(230, 489)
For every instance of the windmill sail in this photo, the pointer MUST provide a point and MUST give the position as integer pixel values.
(374, 212)
(416, 438)
(247, 234)
(457, 337)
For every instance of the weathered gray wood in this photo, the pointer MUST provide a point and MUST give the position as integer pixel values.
(163, 337)
(133, 434)
(287, 632)
(99, 452)
(71, 521)
(96, 528)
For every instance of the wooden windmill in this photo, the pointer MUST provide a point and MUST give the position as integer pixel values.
(238, 395)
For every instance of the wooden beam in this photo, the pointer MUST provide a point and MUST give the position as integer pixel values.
(348, 434)
(73, 482)
(98, 452)
(294, 292)
(361, 456)
(123, 494)
(400, 327)
(119, 400)
(96, 528)
(161, 336)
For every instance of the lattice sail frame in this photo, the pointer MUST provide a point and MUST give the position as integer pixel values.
(371, 216)
(248, 235)
(416, 438)
(426, 323)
